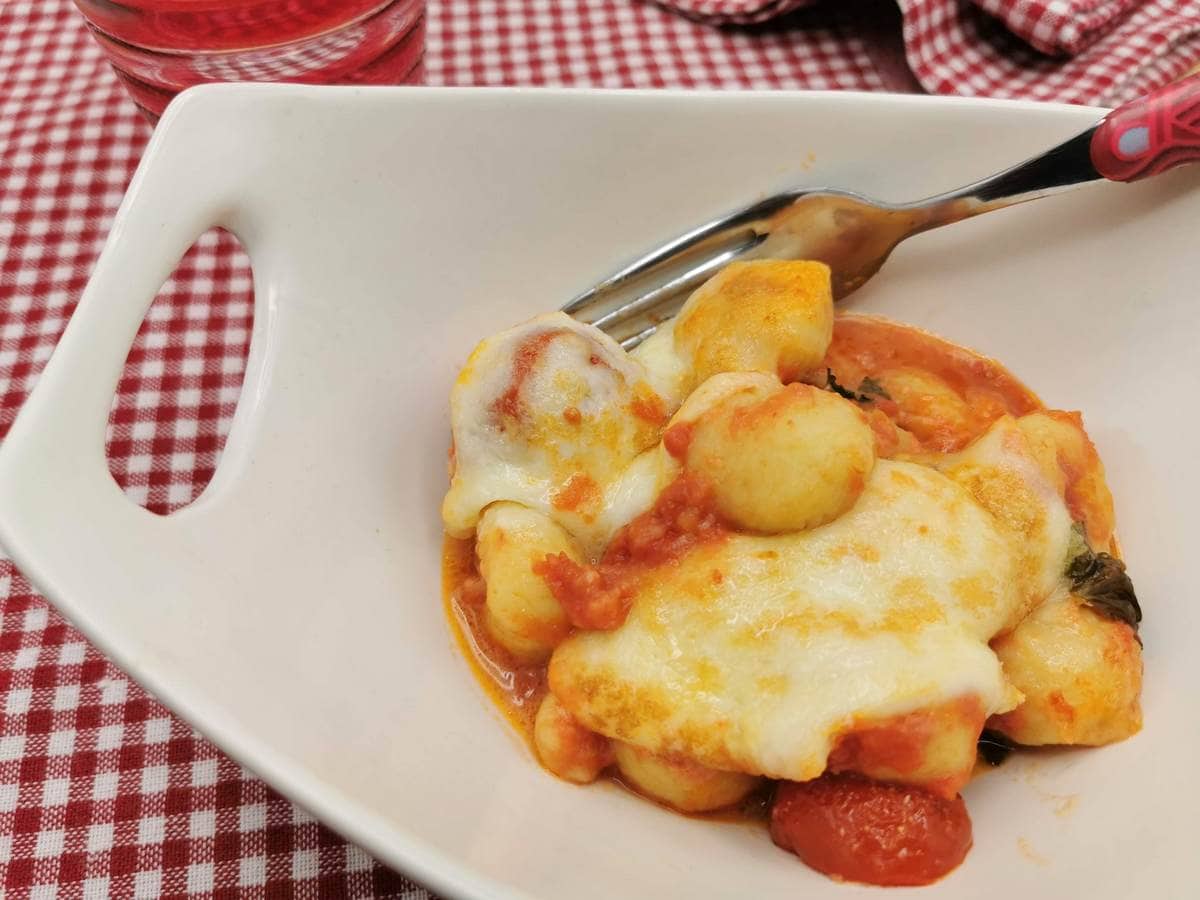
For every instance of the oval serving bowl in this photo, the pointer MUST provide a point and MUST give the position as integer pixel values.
(293, 613)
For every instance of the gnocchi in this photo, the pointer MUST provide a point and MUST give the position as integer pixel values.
(565, 747)
(521, 613)
(1069, 457)
(1081, 675)
(773, 316)
(682, 784)
(783, 459)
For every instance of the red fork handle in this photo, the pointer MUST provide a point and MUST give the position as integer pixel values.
(1151, 134)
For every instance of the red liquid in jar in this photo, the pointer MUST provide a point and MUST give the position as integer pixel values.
(159, 47)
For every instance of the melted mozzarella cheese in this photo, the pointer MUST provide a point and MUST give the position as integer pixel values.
(1004, 476)
(755, 653)
(550, 415)
(666, 368)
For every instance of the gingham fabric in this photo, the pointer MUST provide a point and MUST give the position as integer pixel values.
(1059, 27)
(1055, 27)
(628, 43)
(1100, 52)
(957, 48)
(102, 791)
(735, 11)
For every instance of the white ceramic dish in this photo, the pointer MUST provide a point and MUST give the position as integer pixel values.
(293, 613)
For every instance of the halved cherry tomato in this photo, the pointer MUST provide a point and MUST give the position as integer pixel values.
(857, 829)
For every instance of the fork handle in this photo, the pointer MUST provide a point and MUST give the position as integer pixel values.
(1142, 138)
(1151, 134)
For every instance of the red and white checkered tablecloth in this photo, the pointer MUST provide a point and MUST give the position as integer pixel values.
(103, 792)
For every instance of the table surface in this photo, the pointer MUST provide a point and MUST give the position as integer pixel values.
(104, 792)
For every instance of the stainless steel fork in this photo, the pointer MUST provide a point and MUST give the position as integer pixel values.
(856, 234)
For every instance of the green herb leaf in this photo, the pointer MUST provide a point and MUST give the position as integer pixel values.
(831, 384)
(1100, 580)
(870, 389)
(867, 392)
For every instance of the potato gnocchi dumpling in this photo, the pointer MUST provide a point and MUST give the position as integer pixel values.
(565, 747)
(934, 748)
(929, 408)
(777, 554)
(1068, 455)
(786, 459)
(1081, 674)
(521, 613)
(770, 316)
(682, 784)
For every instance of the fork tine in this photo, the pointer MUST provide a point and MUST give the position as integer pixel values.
(664, 302)
(686, 282)
(648, 263)
(634, 339)
(716, 231)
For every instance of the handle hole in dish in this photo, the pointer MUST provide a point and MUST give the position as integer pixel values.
(183, 377)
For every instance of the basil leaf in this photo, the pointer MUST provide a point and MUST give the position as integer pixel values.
(1100, 580)
(831, 384)
(867, 391)
(869, 388)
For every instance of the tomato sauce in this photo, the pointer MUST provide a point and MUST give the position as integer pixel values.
(598, 597)
(865, 347)
(579, 492)
(888, 439)
(594, 597)
(900, 744)
(648, 406)
(528, 353)
(517, 690)
(678, 438)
